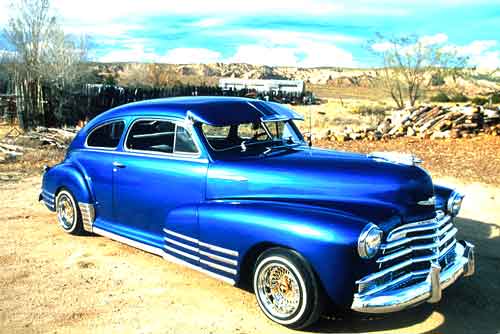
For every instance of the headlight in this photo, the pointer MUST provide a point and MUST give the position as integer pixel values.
(455, 203)
(369, 241)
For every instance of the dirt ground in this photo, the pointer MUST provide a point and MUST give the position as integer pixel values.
(52, 282)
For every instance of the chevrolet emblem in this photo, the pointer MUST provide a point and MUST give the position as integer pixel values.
(430, 201)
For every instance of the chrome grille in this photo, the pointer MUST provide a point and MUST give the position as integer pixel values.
(409, 250)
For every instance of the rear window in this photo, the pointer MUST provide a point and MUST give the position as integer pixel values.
(107, 135)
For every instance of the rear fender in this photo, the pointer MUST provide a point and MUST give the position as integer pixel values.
(66, 175)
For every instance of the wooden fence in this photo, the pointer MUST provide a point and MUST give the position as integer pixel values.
(73, 104)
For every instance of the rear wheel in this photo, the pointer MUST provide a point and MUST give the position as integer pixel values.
(68, 213)
(287, 289)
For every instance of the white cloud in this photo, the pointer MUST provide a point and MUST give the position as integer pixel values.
(439, 38)
(480, 53)
(326, 55)
(306, 55)
(208, 22)
(137, 53)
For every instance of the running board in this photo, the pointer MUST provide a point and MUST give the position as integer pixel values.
(159, 252)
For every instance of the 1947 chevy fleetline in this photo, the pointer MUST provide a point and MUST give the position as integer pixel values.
(227, 186)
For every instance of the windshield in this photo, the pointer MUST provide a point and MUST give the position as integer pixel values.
(257, 136)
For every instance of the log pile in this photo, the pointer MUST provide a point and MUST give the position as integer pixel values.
(435, 122)
(59, 138)
(11, 149)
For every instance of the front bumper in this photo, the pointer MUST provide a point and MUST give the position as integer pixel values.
(394, 299)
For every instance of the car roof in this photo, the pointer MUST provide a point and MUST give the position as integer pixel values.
(212, 110)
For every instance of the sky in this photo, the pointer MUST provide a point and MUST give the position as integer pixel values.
(300, 33)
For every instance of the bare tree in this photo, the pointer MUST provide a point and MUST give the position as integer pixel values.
(42, 54)
(409, 63)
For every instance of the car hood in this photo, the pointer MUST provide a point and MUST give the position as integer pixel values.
(357, 183)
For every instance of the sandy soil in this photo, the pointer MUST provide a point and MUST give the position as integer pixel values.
(54, 282)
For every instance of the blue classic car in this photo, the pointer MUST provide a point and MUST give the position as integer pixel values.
(228, 186)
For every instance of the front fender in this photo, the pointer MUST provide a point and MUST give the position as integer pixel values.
(68, 176)
(326, 238)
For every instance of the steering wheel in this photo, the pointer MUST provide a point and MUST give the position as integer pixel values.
(258, 135)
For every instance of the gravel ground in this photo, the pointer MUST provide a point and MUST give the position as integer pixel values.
(51, 282)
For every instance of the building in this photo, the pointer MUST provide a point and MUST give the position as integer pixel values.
(295, 87)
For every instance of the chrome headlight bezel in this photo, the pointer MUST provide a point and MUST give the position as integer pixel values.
(454, 203)
(369, 241)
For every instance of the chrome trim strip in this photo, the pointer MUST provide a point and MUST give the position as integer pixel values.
(398, 266)
(190, 256)
(404, 241)
(226, 176)
(88, 215)
(395, 255)
(182, 236)
(447, 249)
(219, 249)
(48, 199)
(173, 259)
(219, 258)
(176, 157)
(202, 244)
(48, 204)
(49, 194)
(429, 290)
(162, 253)
(427, 202)
(219, 267)
(130, 242)
(431, 224)
(180, 244)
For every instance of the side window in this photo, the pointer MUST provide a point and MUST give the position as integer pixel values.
(151, 135)
(184, 142)
(107, 135)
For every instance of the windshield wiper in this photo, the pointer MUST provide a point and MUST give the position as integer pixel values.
(269, 149)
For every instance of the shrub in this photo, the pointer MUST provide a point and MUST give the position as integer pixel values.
(495, 98)
(437, 79)
(460, 97)
(479, 100)
(440, 97)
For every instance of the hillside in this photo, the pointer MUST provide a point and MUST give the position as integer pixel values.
(161, 74)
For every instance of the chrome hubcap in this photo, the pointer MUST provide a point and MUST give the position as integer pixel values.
(278, 290)
(65, 211)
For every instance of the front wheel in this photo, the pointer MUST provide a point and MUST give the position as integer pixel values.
(286, 288)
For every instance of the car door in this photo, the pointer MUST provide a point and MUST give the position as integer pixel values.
(161, 169)
(95, 160)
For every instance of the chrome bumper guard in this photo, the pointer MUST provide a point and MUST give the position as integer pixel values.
(392, 300)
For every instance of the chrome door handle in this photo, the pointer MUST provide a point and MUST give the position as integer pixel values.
(118, 164)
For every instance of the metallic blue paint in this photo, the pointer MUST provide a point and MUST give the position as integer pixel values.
(210, 211)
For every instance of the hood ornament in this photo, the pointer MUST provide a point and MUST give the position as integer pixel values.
(396, 157)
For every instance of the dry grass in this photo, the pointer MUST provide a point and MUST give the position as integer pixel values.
(471, 160)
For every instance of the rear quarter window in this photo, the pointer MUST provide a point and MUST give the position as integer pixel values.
(107, 135)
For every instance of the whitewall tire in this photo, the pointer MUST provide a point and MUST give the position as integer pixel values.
(68, 212)
(286, 288)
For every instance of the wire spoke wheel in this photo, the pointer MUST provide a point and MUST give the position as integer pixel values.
(66, 211)
(279, 290)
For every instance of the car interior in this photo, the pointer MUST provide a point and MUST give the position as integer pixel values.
(159, 136)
